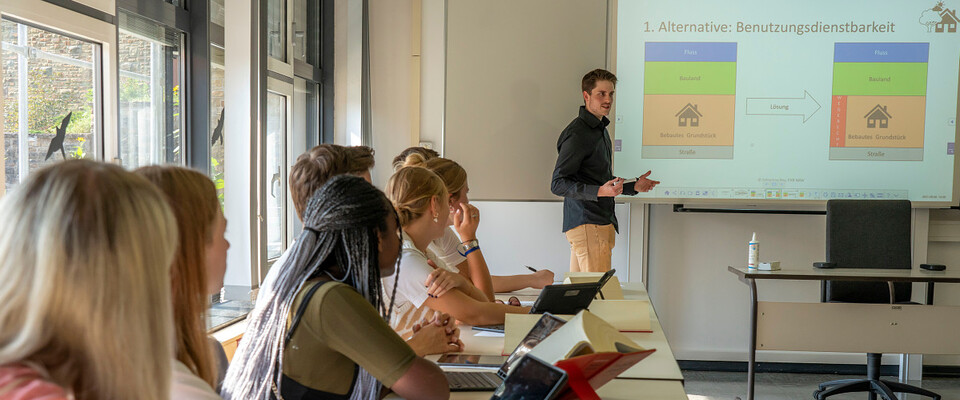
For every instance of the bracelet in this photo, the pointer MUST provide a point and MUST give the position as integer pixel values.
(470, 251)
(468, 246)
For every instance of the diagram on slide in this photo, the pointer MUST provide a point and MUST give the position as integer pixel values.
(689, 100)
(879, 101)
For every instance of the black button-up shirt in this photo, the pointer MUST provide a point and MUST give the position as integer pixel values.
(584, 163)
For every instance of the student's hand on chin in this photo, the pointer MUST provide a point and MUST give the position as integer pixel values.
(466, 220)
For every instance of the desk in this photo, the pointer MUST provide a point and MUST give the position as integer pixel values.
(657, 377)
(886, 316)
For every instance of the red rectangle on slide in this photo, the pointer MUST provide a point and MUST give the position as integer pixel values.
(838, 121)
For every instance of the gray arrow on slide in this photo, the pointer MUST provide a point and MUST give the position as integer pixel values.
(804, 106)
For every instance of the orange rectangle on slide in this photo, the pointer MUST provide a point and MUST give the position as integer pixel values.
(885, 121)
(688, 120)
(838, 121)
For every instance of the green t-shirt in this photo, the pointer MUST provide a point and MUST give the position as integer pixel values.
(339, 329)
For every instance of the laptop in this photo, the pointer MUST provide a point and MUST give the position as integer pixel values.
(461, 381)
(569, 298)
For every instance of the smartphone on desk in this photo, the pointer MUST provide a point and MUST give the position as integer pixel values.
(532, 379)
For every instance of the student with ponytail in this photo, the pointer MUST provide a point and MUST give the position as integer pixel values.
(422, 203)
(322, 333)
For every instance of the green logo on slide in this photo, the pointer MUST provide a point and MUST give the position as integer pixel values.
(940, 19)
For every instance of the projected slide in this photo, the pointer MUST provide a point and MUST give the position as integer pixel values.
(871, 81)
(774, 100)
(689, 91)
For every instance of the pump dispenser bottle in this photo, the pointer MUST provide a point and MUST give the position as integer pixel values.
(753, 252)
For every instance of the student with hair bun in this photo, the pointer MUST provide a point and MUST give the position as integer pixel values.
(422, 203)
(462, 253)
(86, 311)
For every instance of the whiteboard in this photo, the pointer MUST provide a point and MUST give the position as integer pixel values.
(513, 83)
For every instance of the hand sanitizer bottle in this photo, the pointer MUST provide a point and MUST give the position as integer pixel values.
(753, 252)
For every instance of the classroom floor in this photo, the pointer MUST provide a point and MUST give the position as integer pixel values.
(702, 385)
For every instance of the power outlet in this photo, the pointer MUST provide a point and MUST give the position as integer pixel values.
(427, 145)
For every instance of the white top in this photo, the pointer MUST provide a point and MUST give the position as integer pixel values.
(267, 285)
(187, 386)
(408, 307)
(446, 250)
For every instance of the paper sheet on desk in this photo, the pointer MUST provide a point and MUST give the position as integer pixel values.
(488, 334)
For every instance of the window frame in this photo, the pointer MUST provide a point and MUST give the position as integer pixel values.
(99, 30)
(192, 21)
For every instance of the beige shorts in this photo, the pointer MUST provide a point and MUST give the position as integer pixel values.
(591, 247)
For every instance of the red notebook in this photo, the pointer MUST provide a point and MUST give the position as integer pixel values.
(587, 373)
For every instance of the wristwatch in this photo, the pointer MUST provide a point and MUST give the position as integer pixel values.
(468, 247)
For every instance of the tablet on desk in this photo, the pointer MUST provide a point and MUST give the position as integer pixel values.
(569, 298)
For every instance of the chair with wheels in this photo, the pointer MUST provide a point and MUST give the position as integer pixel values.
(868, 234)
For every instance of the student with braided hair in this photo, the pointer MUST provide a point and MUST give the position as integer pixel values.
(311, 171)
(322, 330)
(422, 204)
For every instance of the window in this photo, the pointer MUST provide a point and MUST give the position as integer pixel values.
(217, 103)
(51, 99)
(275, 174)
(277, 29)
(151, 96)
(306, 31)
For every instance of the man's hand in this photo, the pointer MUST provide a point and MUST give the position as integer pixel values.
(644, 184)
(466, 220)
(612, 188)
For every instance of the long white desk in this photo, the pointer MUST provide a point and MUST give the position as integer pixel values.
(657, 377)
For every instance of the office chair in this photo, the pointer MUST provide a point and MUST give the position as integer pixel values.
(868, 234)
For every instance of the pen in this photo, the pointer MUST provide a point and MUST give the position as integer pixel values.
(531, 268)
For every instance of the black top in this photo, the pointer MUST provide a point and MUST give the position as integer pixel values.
(584, 163)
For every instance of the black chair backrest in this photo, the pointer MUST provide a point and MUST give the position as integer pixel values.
(867, 234)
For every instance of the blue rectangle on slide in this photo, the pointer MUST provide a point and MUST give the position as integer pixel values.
(691, 51)
(881, 52)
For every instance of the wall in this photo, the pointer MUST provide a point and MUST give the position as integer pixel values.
(391, 25)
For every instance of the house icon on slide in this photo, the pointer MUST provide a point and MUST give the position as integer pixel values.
(688, 115)
(878, 117)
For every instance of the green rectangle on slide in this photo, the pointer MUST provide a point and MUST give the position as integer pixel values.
(689, 77)
(879, 79)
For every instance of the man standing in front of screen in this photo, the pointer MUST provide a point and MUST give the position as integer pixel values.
(584, 177)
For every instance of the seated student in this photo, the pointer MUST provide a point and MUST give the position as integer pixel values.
(86, 308)
(466, 219)
(322, 332)
(421, 200)
(422, 151)
(197, 274)
(311, 171)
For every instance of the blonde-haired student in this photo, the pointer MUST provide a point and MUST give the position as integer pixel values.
(86, 305)
(422, 203)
